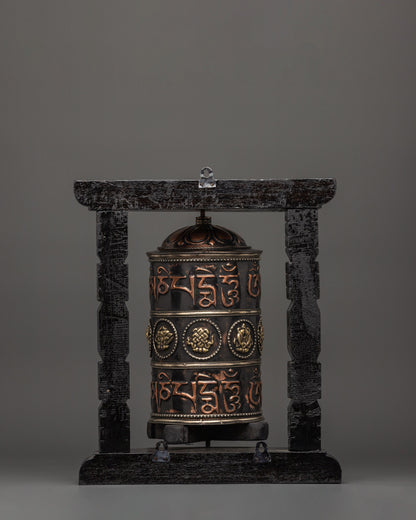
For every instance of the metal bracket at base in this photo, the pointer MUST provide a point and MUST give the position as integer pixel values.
(161, 454)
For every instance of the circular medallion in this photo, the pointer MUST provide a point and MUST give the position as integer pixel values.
(165, 338)
(202, 339)
(242, 338)
(260, 336)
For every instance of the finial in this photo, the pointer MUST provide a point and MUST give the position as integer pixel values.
(202, 218)
(206, 178)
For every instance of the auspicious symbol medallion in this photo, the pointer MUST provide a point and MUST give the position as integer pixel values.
(260, 336)
(202, 339)
(241, 338)
(165, 338)
(162, 338)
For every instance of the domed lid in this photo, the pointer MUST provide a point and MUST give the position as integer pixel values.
(203, 236)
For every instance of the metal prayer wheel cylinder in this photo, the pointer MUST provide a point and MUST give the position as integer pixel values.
(205, 336)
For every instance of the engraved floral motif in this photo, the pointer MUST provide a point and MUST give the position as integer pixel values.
(163, 338)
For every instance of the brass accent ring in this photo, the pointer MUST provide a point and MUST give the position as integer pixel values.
(208, 364)
(206, 419)
(209, 258)
(232, 312)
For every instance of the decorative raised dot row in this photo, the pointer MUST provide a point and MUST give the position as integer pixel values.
(205, 416)
(204, 259)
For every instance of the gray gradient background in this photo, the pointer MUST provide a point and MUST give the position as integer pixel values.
(158, 89)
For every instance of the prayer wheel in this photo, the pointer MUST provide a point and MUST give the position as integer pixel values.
(205, 337)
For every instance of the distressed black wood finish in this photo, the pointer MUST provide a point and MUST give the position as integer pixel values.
(229, 195)
(303, 463)
(303, 329)
(210, 466)
(113, 332)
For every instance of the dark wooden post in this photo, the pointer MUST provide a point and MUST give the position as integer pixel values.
(303, 330)
(113, 332)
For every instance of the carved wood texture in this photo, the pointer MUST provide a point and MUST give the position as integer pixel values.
(210, 466)
(299, 198)
(303, 329)
(113, 332)
(229, 195)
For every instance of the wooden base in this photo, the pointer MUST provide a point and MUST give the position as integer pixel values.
(210, 466)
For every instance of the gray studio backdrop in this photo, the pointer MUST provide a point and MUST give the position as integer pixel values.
(157, 89)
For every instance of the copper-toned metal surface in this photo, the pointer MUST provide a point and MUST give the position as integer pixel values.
(203, 235)
(205, 332)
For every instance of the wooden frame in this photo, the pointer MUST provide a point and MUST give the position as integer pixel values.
(300, 200)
